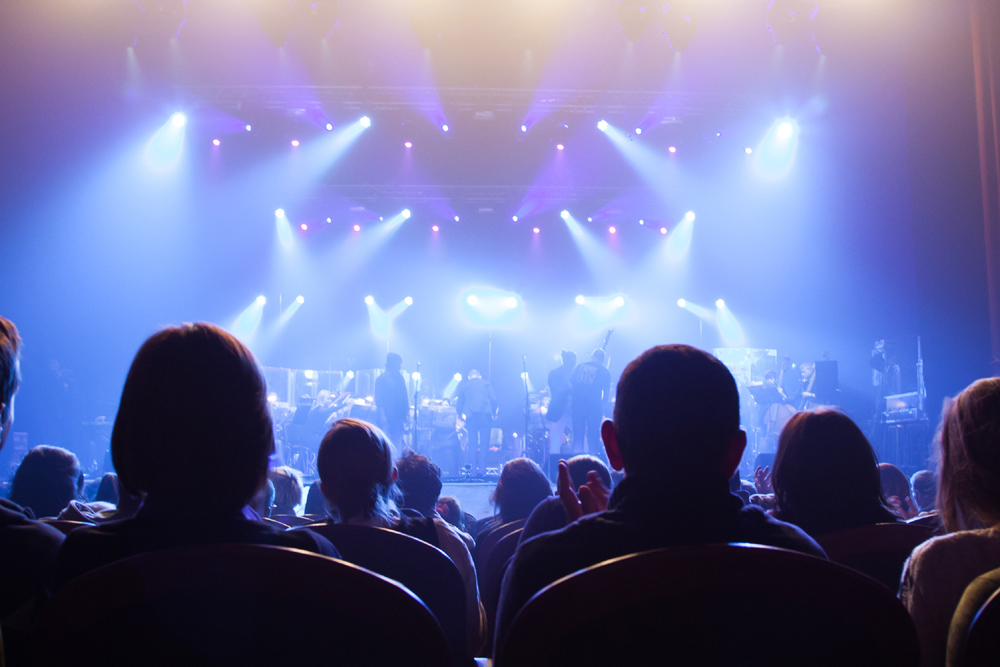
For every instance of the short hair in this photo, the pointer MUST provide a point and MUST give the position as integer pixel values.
(924, 484)
(582, 464)
(599, 356)
(10, 350)
(355, 466)
(676, 405)
(969, 449)
(568, 357)
(47, 480)
(826, 477)
(393, 360)
(521, 487)
(315, 502)
(287, 489)
(107, 490)
(193, 419)
(455, 516)
(419, 480)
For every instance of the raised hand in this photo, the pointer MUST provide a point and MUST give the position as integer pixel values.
(762, 480)
(591, 497)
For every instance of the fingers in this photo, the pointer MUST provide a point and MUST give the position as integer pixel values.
(569, 500)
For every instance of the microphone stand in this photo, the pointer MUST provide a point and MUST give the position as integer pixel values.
(414, 439)
(527, 405)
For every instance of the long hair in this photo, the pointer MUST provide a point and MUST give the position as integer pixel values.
(47, 479)
(521, 487)
(969, 451)
(355, 466)
(826, 475)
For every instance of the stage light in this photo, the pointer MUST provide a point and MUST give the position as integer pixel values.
(602, 125)
(366, 121)
(369, 300)
(564, 215)
(560, 146)
(536, 230)
(408, 301)
(719, 303)
(248, 128)
(261, 300)
(638, 130)
(272, 397)
(415, 375)
(295, 142)
(514, 218)
(689, 216)
(329, 127)
(357, 228)
(642, 222)
(663, 230)
(435, 228)
(178, 120)
(406, 214)
(216, 142)
(445, 128)
(408, 144)
(279, 213)
(456, 218)
(472, 300)
(579, 300)
(619, 301)
(718, 134)
(524, 128)
(748, 150)
(785, 130)
(612, 230)
(304, 226)
(457, 377)
(672, 149)
(349, 375)
(300, 299)
(590, 219)
(681, 302)
(329, 219)
(510, 302)
(310, 375)
(524, 375)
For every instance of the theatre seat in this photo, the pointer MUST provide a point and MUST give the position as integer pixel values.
(66, 527)
(491, 578)
(424, 569)
(974, 637)
(235, 604)
(486, 544)
(879, 550)
(724, 604)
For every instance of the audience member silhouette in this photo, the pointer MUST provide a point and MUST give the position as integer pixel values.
(826, 477)
(923, 490)
(550, 514)
(449, 509)
(896, 489)
(419, 482)
(29, 547)
(521, 487)
(47, 480)
(677, 410)
(358, 479)
(939, 570)
(287, 490)
(194, 434)
(315, 502)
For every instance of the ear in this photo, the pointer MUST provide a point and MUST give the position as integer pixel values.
(395, 475)
(326, 491)
(610, 438)
(734, 452)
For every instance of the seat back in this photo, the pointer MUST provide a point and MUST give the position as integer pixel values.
(491, 578)
(290, 519)
(879, 550)
(227, 605)
(484, 546)
(974, 637)
(424, 569)
(66, 527)
(713, 605)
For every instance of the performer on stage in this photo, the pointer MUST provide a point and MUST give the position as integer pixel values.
(476, 401)
(590, 387)
(559, 414)
(391, 400)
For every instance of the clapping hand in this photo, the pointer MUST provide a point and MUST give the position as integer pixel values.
(589, 498)
(762, 480)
